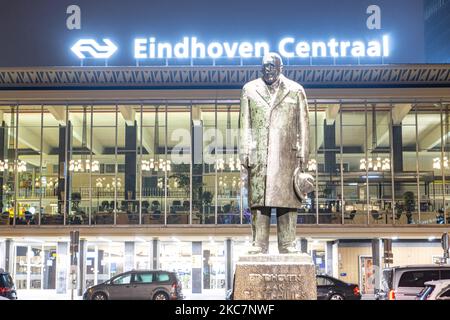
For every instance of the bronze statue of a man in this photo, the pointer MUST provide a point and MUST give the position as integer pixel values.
(274, 142)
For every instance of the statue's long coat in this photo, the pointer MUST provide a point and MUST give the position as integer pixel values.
(274, 134)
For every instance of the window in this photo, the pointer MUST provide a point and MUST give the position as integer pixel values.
(146, 167)
(345, 166)
(6, 281)
(425, 292)
(324, 282)
(109, 168)
(445, 274)
(446, 294)
(125, 279)
(414, 279)
(386, 281)
(143, 277)
(163, 277)
(10, 281)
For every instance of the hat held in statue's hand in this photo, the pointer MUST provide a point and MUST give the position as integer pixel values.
(303, 183)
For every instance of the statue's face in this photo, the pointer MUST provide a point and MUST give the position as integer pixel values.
(271, 68)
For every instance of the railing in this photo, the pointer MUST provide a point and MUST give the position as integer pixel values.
(26, 193)
(439, 191)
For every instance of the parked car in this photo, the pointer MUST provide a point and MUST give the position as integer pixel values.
(435, 290)
(7, 287)
(405, 282)
(329, 288)
(138, 285)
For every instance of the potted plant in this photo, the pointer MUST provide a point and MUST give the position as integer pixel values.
(398, 210)
(207, 198)
(409, 203)
(76, 198)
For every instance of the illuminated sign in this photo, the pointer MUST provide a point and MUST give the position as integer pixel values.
(288, 47)
(191, 47)
(94, 49)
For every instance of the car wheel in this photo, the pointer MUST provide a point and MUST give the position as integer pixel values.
(336, 296)
(99, 296)
(161, 296)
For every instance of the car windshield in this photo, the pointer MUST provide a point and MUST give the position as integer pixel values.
(445, 294)
(5, 280)
(425, 292)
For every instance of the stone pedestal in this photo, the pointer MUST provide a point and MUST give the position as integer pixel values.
(275, 277)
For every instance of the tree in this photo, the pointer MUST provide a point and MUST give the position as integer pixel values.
(183, 179)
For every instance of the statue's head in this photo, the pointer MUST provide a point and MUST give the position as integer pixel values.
(272, 66)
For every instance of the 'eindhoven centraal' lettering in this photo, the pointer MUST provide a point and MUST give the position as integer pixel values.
(289, 47)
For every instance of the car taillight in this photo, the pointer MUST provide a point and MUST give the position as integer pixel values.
(356, 291)
(391, 295)
(173, 292)
(5, 290)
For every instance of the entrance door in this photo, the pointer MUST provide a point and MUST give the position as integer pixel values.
(49, 268)
(21, 266)
(91, 266)
(213, 266)
(35, 259)
(29, 266)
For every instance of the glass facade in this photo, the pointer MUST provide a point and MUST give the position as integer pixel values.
(35, 265)
(40, 264)
(175, 162)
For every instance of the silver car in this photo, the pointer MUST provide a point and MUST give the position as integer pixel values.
(435, 290)
(138, 285)
(405, 282)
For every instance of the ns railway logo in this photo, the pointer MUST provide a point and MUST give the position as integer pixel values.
(84, 48)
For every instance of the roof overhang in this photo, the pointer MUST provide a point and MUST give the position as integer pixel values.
(223, 77)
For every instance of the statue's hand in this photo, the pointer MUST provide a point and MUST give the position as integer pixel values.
(303, 184)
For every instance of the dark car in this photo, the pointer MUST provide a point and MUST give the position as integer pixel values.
(7, 288)
(138, 285)
(329, 288)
